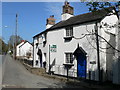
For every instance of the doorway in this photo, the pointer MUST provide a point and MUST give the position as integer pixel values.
(80, 55)
(40, 56)
(81, 66)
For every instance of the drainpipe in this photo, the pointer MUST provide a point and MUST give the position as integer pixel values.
(98, 56)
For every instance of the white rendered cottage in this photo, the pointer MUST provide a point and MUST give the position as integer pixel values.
(17, 48)
(73, 42)
(25, 50)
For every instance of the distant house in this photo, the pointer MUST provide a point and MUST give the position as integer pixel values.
(73, 42)
(25, 50)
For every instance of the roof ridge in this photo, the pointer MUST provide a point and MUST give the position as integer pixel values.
(94, 11)
(82, 18)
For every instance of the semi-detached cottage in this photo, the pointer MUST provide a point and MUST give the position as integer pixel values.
(73, 42)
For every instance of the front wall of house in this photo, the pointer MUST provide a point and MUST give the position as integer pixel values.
(116, 65)
(18, 49)
(35, 56)
(25, 49)
(43, 49)
(107, 53)
(88, 44)
(56, 37)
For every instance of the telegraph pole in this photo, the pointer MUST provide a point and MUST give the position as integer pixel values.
(98, 56)
(16, 35)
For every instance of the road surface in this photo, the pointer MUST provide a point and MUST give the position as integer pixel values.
(15, 75)
(0, 71)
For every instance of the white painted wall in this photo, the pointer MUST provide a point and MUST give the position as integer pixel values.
(43, 49)
(116, 65)
(88, 43)
(106, 55)
(48, 26)
(18, 49)
(66, 16)
(25, 48)
(35, 56)
(56, 37)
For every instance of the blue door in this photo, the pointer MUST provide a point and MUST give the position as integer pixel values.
(81, 66)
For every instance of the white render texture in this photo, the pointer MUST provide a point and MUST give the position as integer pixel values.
(18, 49)
(48, 26)
(116, 65)
(88, 43)
(66, 16)
(25, 48)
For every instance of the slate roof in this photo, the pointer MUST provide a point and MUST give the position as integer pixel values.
(79, 19)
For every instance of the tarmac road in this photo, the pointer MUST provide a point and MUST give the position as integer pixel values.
(15, 75)
(0, 71)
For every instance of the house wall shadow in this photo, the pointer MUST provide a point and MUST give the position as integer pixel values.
(109, 58)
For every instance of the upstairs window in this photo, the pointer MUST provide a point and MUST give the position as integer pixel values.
(69, 31)
(69, 58)
(37, 39)
(37, 42)
(44, 39)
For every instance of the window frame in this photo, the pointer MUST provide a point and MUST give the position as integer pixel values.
(69, 31)
(68, 57)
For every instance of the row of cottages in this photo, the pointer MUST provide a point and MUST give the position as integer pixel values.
(24, 50)
(72, 43)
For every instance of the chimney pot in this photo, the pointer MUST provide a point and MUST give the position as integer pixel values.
(22, 40)
(52, 16)
(50, 21)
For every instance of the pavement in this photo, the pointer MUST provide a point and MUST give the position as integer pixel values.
(2, 62)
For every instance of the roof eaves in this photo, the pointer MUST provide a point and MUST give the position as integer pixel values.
(21, 45)
(96, 20)
(46, 30)
(62, 26)
(65, 26)
(40, 33)
(24, 43)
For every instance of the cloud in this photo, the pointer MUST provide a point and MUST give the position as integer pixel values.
(54, 8)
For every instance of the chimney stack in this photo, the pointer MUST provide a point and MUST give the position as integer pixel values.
(22, 40)
(68, 11)
(50, 21)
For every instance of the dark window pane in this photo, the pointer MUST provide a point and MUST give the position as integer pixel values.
(69, 57)
(69, 31)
